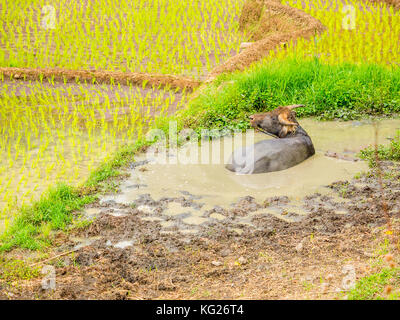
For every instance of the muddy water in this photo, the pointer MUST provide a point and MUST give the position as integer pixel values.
(351, 136)
(209, 186)
(218, 186)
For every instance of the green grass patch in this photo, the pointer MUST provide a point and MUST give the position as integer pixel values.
(32, 227)
(343, 91)
(11, 270)
(110, 169)
(385, 152)
(372, 286)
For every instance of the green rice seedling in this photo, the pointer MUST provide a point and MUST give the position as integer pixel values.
(51, 133)
(357, 32)
(165, 36)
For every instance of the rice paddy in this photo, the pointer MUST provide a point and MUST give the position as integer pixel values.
(53, 133)
(163, 36)
(357, 32)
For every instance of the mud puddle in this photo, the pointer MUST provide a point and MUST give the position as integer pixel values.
(190, 197)
(148, 249)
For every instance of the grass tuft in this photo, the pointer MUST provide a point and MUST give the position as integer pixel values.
(344, 91)
(32, 228)
(14, 269)
(372, 287)
(54, 211)
(385, 152)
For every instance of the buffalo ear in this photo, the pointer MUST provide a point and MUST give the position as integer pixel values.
(284, 131)
(287, 130)
(283, 119)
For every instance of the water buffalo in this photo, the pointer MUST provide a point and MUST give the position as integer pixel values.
(291, 146)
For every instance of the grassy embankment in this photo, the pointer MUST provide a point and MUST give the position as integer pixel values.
(342, 91)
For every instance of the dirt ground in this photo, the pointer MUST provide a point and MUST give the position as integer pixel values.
(307, 258)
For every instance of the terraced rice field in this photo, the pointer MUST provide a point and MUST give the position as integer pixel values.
(357, 32)
(162, 36)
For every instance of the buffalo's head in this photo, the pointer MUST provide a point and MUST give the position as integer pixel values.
(279, 122)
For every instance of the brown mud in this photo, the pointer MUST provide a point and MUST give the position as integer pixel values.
(182, 246)
(99, 77)
(200, 169)
(139, 251)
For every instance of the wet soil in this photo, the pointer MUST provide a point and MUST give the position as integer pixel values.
(129, 253)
